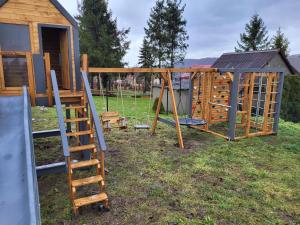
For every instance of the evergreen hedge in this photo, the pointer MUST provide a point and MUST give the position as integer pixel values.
(290, 107)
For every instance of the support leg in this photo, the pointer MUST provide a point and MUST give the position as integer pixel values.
(175, 115)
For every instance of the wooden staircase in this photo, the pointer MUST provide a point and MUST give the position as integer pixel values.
(83, 131)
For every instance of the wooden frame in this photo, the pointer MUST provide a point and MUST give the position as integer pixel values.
(30, 73)
(272, 92)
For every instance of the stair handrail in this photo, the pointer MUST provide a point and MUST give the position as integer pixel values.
(96, 120)
(59, 111)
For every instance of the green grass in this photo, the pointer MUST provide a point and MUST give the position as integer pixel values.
(150, 181)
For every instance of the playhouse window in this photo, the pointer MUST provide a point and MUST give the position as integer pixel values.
(15, 71)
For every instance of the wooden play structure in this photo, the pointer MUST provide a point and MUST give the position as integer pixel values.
(232, 104)
(39, 48)
(29, 30)
(237, 104)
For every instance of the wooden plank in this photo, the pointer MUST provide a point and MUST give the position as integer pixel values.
(31, 79)
(80, 164)
(87, 180)
(175, 114)
(90, 199)
(149, 70)
(249, 107)
(82, 147)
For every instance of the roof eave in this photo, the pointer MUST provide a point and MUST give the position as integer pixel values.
(59, 7)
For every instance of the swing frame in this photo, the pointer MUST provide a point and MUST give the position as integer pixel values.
(166, 78)
(274, 78)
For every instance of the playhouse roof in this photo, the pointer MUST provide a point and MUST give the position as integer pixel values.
(58, 6)
(252, 59)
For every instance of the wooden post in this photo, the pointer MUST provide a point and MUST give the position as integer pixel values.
(162, 90)
(175, 115)
(249, 109)
(85, 64)
(85, 68)
(30, 78)
(48, 78)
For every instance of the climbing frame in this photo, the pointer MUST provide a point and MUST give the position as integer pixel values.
(237, 104)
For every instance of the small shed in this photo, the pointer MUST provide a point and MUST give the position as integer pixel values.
(28, 30)
(255, 59)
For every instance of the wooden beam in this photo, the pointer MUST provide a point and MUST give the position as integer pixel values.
(148, 70)
(48, 78)
(175, 114)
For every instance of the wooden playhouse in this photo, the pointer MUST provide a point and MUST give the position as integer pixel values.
(30, 33)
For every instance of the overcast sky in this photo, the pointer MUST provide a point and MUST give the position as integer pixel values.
(213, 25)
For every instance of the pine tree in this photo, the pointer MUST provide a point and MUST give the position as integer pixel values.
(146, 58)
(177, 34)
(166, 32)
(279, 41)
(156, 32)
(100, 36)
(256, 36)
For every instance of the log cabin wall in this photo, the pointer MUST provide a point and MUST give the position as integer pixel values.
(33, 16)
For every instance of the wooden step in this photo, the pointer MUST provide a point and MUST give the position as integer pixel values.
(82, 148)
(86, 181)
(92, 162)
(75, 107)
(90, 199)
(79, 133)
(74, 120)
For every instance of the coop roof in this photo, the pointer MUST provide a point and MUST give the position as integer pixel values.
(58, 6)
(253, 59)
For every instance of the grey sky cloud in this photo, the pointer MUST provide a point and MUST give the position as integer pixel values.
(213, 25)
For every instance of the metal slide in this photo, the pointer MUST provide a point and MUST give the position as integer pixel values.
(19, 202)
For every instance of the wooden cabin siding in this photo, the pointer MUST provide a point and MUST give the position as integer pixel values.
(34, 13)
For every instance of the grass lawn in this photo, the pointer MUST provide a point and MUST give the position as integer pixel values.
(150, 181)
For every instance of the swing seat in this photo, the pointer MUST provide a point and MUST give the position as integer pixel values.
(141, 127)
(112, 120)
(191, 122)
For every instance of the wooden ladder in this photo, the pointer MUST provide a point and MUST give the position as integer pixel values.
(84, 133)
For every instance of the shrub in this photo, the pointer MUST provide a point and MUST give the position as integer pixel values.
(154, 107)
(290, 107)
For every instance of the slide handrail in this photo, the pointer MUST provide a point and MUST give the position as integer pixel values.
(34, 208)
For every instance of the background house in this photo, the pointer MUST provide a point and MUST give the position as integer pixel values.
(295, 62)
(255, 59)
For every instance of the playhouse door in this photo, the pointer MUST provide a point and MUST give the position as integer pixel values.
(56, 42)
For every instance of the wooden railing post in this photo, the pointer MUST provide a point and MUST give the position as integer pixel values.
(48, 78)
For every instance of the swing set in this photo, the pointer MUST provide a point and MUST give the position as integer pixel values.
(228, 103)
